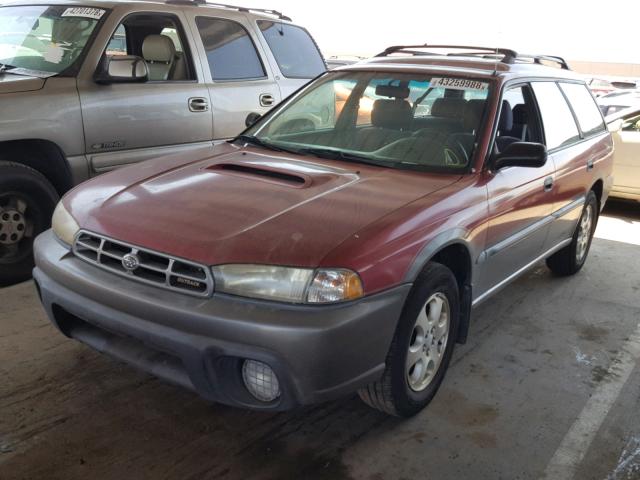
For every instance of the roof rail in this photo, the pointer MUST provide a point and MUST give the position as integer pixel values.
(538, 59)
(508, 56)
(275, 13)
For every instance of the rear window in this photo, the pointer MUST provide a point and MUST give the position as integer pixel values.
(293, 48)
(584, 106)
(559, 125)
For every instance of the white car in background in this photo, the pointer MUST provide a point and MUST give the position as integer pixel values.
(617, 101)
(625, 128)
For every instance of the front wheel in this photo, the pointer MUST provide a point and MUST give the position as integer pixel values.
(571, 258)
(422, 345)
(27, 200)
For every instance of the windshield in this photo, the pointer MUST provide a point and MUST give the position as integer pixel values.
(45, 39)
(393, 120)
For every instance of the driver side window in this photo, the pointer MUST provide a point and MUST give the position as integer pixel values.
(156, 38)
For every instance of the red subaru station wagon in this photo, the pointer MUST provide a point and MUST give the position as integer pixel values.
(341, 242)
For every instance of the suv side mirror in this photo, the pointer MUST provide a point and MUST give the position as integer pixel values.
(521, 154)
(122, 69)
(252, 118)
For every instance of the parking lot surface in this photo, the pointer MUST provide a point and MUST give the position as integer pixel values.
(547, 386)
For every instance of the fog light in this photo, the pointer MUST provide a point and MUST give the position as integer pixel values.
(260, 380)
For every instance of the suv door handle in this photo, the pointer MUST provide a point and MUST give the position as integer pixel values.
(590, 164)
(548, 184)
(266, 100)
(198, 104)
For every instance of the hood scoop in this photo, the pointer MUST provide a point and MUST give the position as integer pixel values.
(262, 173)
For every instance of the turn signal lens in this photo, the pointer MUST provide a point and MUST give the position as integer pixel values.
(334, 286)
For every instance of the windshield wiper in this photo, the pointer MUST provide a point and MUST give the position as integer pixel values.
(347, 157)
(4, 67)
(258, 142)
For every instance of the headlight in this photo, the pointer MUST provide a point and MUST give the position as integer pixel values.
(296, 285)
(64, 225)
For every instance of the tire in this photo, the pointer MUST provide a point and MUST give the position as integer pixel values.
(571, 258)
(27, 201)
(402, 391)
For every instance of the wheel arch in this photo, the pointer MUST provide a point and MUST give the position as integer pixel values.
(598, 189)
(451, 249)
(43, 156)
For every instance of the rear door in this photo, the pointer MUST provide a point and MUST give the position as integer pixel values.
(130, 122)
(577, 140)
(238, 76)
(291, 50)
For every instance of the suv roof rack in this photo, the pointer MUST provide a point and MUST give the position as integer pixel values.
(238, 8)
(507, 55)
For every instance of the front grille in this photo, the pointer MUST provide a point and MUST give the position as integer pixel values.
(144, 265)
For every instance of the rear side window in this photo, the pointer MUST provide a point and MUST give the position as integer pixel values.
(293, 48)
(559, 125)
(584, 106)
(230, 51)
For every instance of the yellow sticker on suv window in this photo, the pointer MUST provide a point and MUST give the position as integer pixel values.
(458, 84)
(84, 12)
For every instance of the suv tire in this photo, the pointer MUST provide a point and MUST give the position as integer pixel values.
(27, 201)
(571, 258)
(420, 352)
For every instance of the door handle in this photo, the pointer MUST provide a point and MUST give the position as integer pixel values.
(266, 100)
(198, 104)
(548, 184)
(590, 164)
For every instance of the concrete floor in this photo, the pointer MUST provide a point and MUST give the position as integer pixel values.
(547, 386)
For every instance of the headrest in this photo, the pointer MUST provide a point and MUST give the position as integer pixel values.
(473, 114)
(505, 124)
(392, 91)
(393, 114)
(449, 107)
(158, 48)
(520, 116)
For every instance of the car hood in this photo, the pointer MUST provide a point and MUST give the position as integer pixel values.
(10, 83)
(245, 205)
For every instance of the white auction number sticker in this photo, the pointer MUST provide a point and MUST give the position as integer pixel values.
(84, 12)
(459, 84)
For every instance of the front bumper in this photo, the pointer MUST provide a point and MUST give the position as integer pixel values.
(317, 352)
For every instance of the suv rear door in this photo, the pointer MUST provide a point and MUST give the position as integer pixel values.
(576, 138)
(238, 76)
(293, 51)
(130, 122)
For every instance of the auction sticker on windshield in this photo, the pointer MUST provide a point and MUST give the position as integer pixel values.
(458, 84)
(84, 12)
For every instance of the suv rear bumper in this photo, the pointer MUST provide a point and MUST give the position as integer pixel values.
(317, 352)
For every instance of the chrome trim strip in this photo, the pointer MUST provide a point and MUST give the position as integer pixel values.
(168, 272)
(568, 208)
(513, 276)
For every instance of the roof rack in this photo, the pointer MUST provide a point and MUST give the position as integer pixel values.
(275, 13)
(538, 59)
(508, 56)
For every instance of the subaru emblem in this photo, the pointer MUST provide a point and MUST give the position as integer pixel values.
(130, 262)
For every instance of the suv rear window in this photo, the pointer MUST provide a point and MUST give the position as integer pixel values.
(293, 48)
(230, 51)
(584, 106)
(559, 125)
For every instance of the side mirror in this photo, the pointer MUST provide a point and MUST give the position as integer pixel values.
(122, 69)
(252, 118)
(521, 154)
(615, 126)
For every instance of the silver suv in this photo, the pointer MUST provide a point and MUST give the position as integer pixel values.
(86, 87)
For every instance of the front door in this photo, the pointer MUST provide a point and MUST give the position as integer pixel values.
(129, 122)
(520, 199)
(626, 167)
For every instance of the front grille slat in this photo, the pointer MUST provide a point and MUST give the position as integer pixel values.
(152, 268)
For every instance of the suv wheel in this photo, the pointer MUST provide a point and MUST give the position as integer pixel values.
(422, 345)
(571, 258)
(27, 200)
